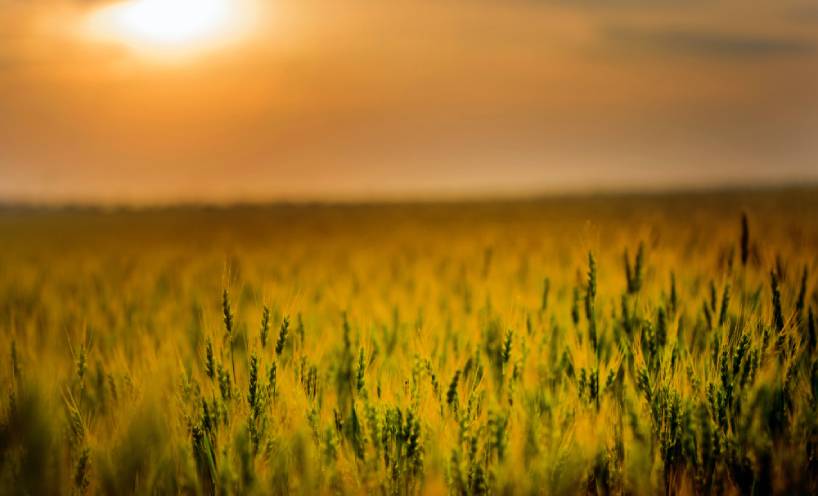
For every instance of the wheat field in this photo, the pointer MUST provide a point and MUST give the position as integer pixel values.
(653, 344)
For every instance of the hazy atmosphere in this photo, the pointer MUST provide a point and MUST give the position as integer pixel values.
(265, 99)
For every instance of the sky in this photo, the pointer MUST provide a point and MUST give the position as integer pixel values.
(359, 99)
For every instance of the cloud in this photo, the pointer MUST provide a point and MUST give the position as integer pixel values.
(706, 43)
(804, 13)
(616, 4)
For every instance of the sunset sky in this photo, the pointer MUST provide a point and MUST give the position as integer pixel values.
(324, 99)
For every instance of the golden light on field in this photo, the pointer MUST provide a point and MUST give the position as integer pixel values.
(171, 27)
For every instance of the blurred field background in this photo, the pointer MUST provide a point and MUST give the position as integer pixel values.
(429, 348)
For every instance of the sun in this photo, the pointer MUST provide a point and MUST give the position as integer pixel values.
(169, 27)
(171, 21)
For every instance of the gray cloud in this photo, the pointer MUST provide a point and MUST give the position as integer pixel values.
(805, 13)
(615, 4)
(708, 44)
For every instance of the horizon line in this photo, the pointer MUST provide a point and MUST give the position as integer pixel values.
(397, 199)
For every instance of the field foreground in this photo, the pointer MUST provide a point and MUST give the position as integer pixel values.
(634, 344)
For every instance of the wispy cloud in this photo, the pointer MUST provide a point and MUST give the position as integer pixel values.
(705, 43)
(618, 4)
(805, 13)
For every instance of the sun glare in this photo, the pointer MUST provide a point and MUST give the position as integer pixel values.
(167, 27)
(171, 21)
